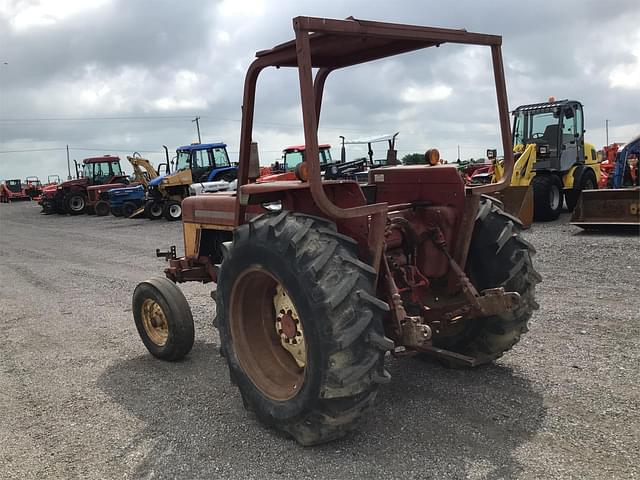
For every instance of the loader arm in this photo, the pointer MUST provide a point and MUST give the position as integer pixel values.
(142, 163)
(522, 168)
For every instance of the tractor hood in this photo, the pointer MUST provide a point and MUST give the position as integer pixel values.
(71, 183)
(126, 190)
(156, 181)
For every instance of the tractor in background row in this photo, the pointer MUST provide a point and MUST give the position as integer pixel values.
(196, 163)
(71, 196)
(12, 190)
(126, 201)
(284, 169)
(50, 186)
(318, 279)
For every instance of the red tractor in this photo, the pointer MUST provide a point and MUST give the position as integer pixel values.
(291, 158)
(12, 190)
(318, 279)
(608, 164)
(72, 197)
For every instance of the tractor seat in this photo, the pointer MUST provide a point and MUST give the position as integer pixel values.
(550, 135)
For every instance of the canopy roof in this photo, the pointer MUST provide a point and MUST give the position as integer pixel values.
(340, 43)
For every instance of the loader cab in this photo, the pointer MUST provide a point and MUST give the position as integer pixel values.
(557, 129)
(201, 159)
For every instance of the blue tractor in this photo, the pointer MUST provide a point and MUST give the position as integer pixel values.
(195, 163)
(125, 201)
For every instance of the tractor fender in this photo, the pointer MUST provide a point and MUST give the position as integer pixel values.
(573, 178)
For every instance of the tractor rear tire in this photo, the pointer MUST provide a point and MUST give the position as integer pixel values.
(153, 209)
(547, 196)
(163, 319)
(587, 182)
(333, 308)
(498, 257)
(102, 208)
(128, 208)
(75, 204)
(172, 210)
(116, 211)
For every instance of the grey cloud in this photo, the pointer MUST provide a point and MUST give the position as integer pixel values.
(548, 48)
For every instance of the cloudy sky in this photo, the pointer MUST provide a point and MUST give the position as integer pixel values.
(116, 76)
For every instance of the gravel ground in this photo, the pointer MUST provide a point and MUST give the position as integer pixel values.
(81, 398)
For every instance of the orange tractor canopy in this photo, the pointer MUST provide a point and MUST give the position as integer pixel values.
(318, 279)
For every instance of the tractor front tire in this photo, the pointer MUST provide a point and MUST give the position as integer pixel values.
(48, 207)
(163, 319)
(300, 325)
(153, 209)
(128, 208)
(172, 210)
(102, 208)
(75, 204)
(498, 257)
(547, 197)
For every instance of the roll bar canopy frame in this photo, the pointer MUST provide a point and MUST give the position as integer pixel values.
(328, 45)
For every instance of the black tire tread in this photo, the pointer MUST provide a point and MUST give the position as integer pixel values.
(342, 291)
(497, 239)
(177, 312)
(541, 185)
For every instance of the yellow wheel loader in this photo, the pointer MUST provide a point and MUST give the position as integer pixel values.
(553, 163)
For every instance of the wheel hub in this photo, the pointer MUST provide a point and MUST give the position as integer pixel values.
(289, 327)
(154, 322)
(175, 211)
(76, 203)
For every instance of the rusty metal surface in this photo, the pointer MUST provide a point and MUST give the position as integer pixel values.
(331, 44)
(191, 269)
(608, 208)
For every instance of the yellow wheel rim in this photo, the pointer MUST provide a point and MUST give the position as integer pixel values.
(289, 327)
(155, 322)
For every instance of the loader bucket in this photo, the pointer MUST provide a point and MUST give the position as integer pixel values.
(603, 208)
(517, 201)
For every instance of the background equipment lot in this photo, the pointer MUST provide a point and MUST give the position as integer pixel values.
(81, 397)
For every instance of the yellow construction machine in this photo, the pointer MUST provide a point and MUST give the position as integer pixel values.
(553, 163)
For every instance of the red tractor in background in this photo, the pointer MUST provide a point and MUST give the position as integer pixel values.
(12, 190)
(50, 186)
(608, 164)
(32, 187)
(291, 158)
(318, 279)
(72, 197)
